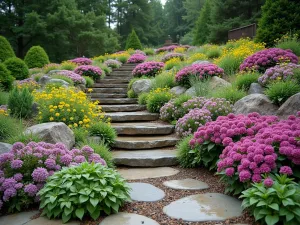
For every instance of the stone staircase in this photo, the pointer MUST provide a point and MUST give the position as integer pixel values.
(143, 140)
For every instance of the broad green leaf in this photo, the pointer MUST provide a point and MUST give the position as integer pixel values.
(83, 198)
(95, 215)
(66, 218)
(94, 201)
(79, 213)
(271, 219)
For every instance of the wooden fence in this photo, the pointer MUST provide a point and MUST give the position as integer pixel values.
(246, 31)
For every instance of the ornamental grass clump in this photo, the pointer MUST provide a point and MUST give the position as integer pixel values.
(203, 71)
(244, 80)
(280, 72)
(191, 121)
(186, 156)
(196, 57)
(172, 55)
(267, 58)
(76, 78)
(20, 103)
(51, 66)
(83, 190)
(112, 63)
(90, 71)
(157, 98)
(103, 130)
(25, 169)
(81, 61)
(163, 80)
(271, 149)
(149, 69)
(68, 65)
(136, 58)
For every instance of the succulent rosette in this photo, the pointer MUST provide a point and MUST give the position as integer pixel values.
(149, 69)
(90, 71)
(136, 58)
(82, 61)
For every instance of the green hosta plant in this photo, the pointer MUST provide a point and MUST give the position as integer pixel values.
(83, 190)
(276, 202)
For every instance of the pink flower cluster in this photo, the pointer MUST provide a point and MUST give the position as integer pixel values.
(190, 122)
(148, 69)
(279, 72)
(267, 58)
(274, 147)
(90, 71)
(203, 71)
(113, 63)
(172, 55)
(82, 61)
(170, 48)
(76, 78)
(26, 168)
(170, 112)
(136, 58)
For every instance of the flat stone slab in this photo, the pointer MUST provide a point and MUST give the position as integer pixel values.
(110, 85)
(127, 219)
(132, 116)
(145, 173)
(123, 108)
(143, 192)
(142, 128)
(45, 221)
(145, 158)
(109, 90)
(204, 207)
(108, 95)
(17, 218)
(186, 184)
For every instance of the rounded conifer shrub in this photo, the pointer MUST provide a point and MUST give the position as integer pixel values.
(36, 57)
(17, 68)
(133, 41)
(6, 50)
(6, 80)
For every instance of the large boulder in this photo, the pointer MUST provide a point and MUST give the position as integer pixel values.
(53, 132)
(140, 86)
(191, 91)
(217, 82)
(178, 90)
(255, 88)
(4, 147)
(59, 81)
(290, 107)
(255, 103)
(44, 80)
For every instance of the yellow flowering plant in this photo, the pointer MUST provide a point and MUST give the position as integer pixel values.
(173, 62)
(68, 65)
(67, 105)
(180, 50)
(157, 98)
(197, 56)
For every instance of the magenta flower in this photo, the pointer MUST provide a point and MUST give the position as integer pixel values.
(40, 174)
(147, 69)
(16, 164)
(90, 71)
(82, 61)
(268, 182)
(286, 170)
(31, 189)
(76, 78)
(136, 58)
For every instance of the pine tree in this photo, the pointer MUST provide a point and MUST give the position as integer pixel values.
(133, 41)
(6, 50)
(202, 24)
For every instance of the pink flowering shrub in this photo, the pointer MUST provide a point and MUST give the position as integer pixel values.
(149, 69)
(279, 72)
(139, 52)
(173, 55)
(273, 149)
(113, 63)
(82, 61)
(190, 122)
(170, 48)
(25, 169)
(90, 71)
(267, 58)
(203, 71)
(171, 112)
(136, 58)
(76, 78)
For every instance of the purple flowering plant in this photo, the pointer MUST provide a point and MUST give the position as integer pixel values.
(25, 169)
(203, 71)
(149, 69)
(90, 71)
(136, 58)
(76, 78)
(173, 55)
(82, 61)
(264, 59)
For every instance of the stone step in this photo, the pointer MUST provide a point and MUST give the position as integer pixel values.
(107, 95)
(142, 128)
(123, 108)
(113, 81)
(121, 73)
(101, 85)
(126, 68)
(110, 90)
(145, 142)
(116, 101)
(146, 158)
(132, 116)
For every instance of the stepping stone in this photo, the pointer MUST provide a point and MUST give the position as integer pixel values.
(145, 158)
(143, 192)
(109, 90)
(113, 81)
(110, 85)
(204, 207)
(186, 184)
(123, 108)
(132, 116)
(128, 219)
(145, 142)
(45, 221)
(108, 95)
(17, 218)
(145, 173)
(116, 100)
(142, 128)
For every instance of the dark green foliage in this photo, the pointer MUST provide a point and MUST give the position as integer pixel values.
(9, 127)
(131, 94)
(104, 131)
(89, 81)
(98, 189)
(20, 103)
(297, 75)
(133, 41)
(202, 24)
(157, 100)
(6, 50)
(231, 94)
(80, 134)
(17, 68)
(6, 80)
(142, 99)
(278, 17)
(36, 57)
(280, 91)
(3, 97)
(243, 81)
(24, 138)
(186, 156)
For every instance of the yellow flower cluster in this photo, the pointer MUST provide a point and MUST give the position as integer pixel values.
(165, 91)
(180, 50)
(287, 37)
(31, 85)
(172, 62)
(68, 65)
(67, 105)
(196, 56)
(3, 112)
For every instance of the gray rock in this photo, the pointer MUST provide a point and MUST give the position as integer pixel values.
(46, 221)
(5, 147)
(122, 218)
(290, 107)
(44, 80)
(53, 72)
(186, 184)
(201, 62)
(178, 90)
(145, 173)
(35, 109)
(53, 132)
(59, 81)
(143, 192)
(204, 207)
(255, 88)
(255, 103)
(140, 86)
(217, 82)
(17, 218)
(191, 91)
(81, 87)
